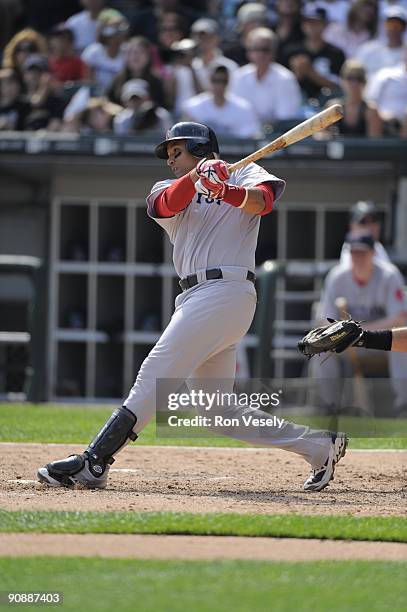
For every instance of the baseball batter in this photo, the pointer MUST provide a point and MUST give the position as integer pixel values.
(212, 220)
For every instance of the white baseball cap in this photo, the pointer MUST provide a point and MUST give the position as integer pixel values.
(204, 25)
(395, 11)
(134, 87)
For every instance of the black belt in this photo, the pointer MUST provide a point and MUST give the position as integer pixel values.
(212, 274)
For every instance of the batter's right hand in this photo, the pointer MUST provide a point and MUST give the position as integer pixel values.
(209, 189)
(214, 171)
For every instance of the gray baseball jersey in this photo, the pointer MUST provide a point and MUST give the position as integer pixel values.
(382, 296)
(210, 233)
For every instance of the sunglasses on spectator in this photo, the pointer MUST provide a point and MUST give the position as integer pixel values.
(27, 47)
(219, 80)
(259, 49)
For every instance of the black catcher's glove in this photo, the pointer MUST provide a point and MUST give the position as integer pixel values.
(335, 337)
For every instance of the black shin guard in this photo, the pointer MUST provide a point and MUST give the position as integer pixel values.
(115, 434)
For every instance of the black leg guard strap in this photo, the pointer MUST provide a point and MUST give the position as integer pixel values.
(115, 434)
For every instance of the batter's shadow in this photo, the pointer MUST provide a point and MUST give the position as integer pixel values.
(339, 497)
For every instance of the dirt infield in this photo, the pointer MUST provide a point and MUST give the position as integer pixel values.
(196, 547)
(210, 480)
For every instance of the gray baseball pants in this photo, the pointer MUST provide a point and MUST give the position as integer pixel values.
(200, 343)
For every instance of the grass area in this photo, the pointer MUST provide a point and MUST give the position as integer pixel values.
(154, 586)
(78, 424)
(390, 529)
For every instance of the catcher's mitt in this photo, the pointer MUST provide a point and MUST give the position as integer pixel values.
(335, 337)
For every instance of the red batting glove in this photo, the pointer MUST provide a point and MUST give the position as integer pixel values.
(214, 170)
(209, 189)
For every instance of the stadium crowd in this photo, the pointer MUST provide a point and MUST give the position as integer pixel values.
(129, 67)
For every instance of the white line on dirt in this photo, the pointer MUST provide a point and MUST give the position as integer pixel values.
(21, 481)
(130, 470)
(125, 470)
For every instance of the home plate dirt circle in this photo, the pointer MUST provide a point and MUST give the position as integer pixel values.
(185, 479)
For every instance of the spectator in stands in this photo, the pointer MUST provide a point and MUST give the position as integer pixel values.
(225, 113)
(288, 26)
(13, 108)
(364, 218)
(64, 64)
(149, 20)
(360, 26)
(46, 107)
(140, 115)
(106, 58)
(271, 88)
(374, 292)
(97, 117)
(387, 94)
(384, 6)
(139, 65)
(22, 45)
(171, 28)
(358, 119)
(249, 16)
(84, 25)
(182, 81)
(315, 63)
(376, 54)
(206, 35)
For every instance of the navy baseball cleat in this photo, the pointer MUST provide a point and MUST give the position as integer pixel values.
(320, 477)
(74, 470)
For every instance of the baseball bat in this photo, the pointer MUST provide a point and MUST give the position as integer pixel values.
(359, 386)
(299, 132)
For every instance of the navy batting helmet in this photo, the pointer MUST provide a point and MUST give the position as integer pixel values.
(200, 139)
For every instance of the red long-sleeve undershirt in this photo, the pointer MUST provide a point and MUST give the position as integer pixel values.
(268, 195)
(177, 196)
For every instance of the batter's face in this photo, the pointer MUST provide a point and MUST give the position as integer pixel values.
(179, 159)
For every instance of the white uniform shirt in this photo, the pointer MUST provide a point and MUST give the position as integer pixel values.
(209, 233)
(235, 118)
(383, 296)
(276, 96)
(388, 90)
(375, 55)
(84, 29)
(105, 67)
(184, 87)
